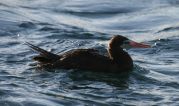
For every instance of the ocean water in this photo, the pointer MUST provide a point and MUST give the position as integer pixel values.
(61, 25)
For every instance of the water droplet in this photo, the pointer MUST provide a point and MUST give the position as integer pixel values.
(155, 44)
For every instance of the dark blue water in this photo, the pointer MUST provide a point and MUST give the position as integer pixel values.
(60, 25)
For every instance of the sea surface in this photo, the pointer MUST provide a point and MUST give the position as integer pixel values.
(62, 25)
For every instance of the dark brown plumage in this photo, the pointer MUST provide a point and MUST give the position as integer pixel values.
(89, 59)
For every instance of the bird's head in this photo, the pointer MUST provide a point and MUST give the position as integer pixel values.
(119, 41)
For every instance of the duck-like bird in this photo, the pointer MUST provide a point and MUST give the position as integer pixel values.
(117, 60)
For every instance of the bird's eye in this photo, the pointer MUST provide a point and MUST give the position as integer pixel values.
(126, 42)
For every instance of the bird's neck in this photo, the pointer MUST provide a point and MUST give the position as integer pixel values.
(120, 57)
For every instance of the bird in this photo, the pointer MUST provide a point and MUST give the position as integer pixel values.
(117, 60)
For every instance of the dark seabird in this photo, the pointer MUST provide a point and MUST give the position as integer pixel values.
(118, 60)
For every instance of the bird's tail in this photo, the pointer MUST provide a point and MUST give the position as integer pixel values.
(44, 56)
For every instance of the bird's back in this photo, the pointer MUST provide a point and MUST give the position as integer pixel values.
(88, 59)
